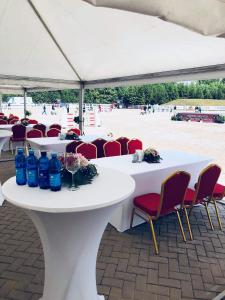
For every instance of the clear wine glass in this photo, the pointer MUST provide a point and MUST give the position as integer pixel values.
(72, 166)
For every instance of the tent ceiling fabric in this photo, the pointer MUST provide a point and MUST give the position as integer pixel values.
(204, 16)
(104, 46)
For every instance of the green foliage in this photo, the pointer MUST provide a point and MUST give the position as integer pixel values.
(136, 95)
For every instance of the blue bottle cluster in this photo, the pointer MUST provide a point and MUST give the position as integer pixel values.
(44, 173)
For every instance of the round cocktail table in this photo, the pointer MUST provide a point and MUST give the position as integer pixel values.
(70, 225)
(4, 137)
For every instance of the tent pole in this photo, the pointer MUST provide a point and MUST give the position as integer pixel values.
(24, 102)
(0, 102)
(81, 104)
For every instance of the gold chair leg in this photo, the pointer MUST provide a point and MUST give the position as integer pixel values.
(181, 226)
(153, 236)
(207, 211)
(188, 223)
(132, 217)
(217, 213)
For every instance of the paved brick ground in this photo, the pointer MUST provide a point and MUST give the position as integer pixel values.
(127, 267)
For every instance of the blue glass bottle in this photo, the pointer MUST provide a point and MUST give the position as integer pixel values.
(32, 169)
(43, 174)
(20, 163)
(55, 173)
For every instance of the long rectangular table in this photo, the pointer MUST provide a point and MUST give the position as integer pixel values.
(55, 144)
(148, 177)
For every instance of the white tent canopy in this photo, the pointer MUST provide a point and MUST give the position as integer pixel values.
(204, 16)
(63, 43)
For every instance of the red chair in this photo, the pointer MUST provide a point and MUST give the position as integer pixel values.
(53, 132)
(123, 142)
(13, 121)
(71, 147)
(19, 135)
(88, 150)
(99, 143)
(1, 114)
(134, 145)
(152, 206)
(112, 148)
(57, 126)
(34, 133)
(33, 122)
(203, 194)
(3, 122)
(41, 127)
(75, 130)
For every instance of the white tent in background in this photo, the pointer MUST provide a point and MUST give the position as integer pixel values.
(59, 44)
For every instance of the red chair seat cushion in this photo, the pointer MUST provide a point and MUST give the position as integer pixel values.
(219, 191)
(189, 197)
(149, 203)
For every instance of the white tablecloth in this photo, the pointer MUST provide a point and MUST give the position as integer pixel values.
(55, 144)
(4, 138)
(70, 225)
(148, 177)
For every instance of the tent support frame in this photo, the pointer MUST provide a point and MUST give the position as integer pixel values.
(24, 102)
(81, 105)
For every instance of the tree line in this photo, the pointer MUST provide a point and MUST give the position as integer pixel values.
(135, 95)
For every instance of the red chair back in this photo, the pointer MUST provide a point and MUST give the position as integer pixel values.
(173, 191)
(99, 143)
(53, 132)
(75, 130)
(33, 122)
(71, 147)
(206, 182)
(134, 145)
(3, 122)
(123, 142)
(34, 133)
(57, 126)
(1, 114)
(13, 121)
(87, 150)
(112, 148)
(41, 127)
(19, 132)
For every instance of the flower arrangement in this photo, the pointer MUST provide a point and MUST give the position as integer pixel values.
(151, 156)
(85, 171)
(70, 135)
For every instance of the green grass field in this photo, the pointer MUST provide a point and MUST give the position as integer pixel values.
(196, 102)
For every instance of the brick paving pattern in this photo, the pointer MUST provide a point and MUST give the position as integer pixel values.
(127, 267)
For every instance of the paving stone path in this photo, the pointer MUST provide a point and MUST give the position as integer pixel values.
(127, 268)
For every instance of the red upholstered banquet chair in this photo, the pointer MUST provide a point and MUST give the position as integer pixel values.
(33, 122)
(34, 133)
(1, 114)
(219, 192)
(3, 122)
(41, 127)
(99, 143)
(134, 145)
(203, 194)
(53, 132)
(75, 130)
(88, 150)
(152, 206)
(13, 121)
(112, 148)
(19, 135)
(123, 142)
(57, 126)
(71, 147)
